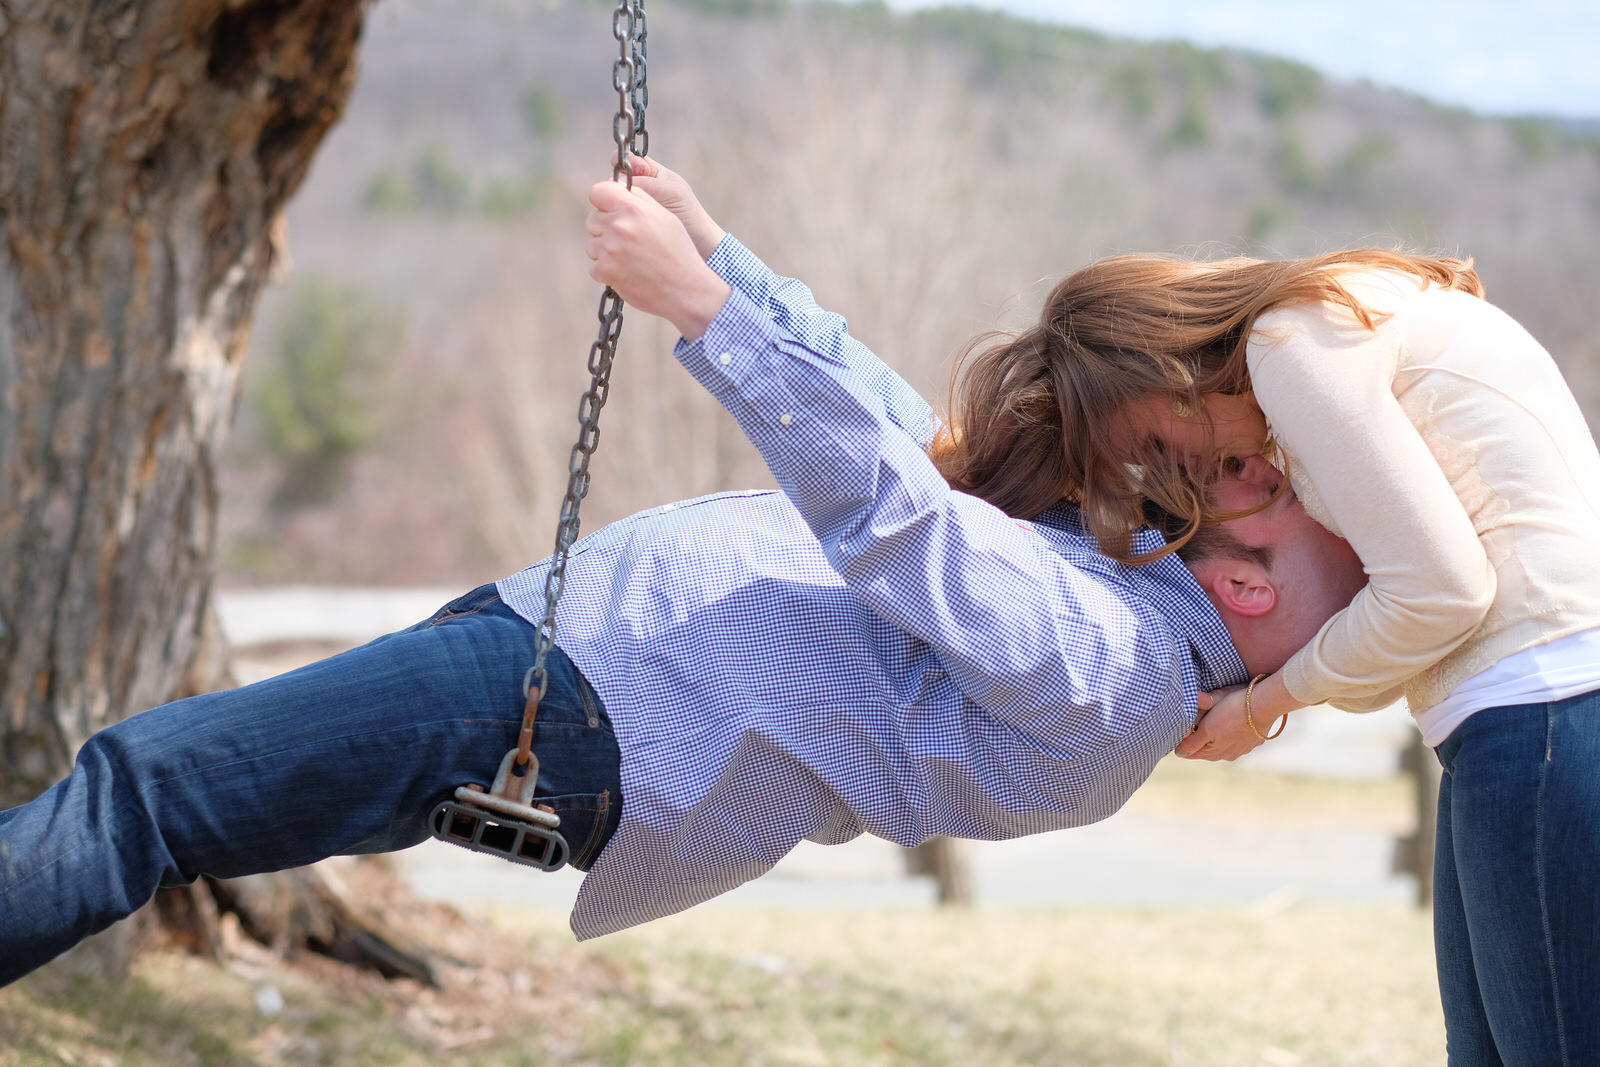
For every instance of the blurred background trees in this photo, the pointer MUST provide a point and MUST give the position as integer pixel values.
(928, 173)
(316, 402)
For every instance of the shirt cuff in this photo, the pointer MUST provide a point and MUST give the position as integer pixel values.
(726, 354)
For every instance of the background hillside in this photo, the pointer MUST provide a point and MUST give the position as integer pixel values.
(410, 397)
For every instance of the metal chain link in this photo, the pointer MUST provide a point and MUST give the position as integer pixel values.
(640, 96)
(628, 26)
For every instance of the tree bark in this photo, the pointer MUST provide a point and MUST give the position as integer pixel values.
(146, 149)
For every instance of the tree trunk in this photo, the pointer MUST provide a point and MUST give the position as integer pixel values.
(1413, 854)
(146, 149)
(944, 860)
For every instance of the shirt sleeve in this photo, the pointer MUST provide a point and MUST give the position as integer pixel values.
(1375, 702)
(792, 308)
(1072, 660)
(1325, 384)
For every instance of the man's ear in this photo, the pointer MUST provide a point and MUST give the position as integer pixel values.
(1242, 587)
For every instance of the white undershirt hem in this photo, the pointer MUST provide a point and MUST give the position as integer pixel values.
(1566, 667)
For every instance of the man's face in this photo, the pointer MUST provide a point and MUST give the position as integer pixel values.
(1274, 611)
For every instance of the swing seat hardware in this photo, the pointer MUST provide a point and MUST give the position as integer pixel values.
(504, 821)
(500, 835)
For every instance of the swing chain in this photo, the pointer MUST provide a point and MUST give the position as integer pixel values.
(504, 821)
(628, 26)
(639, 91)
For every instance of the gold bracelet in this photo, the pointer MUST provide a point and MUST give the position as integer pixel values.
(1248, 693)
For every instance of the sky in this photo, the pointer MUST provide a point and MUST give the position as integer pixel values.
(1494, 56)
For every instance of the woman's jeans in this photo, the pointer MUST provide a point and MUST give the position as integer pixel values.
(1517, 886)
(349, 755)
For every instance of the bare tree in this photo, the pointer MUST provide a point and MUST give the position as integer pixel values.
(836, 130)
(147, 148)
(663, 437)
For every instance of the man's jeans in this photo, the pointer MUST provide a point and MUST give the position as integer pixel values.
(349, 755)
(1517, 886)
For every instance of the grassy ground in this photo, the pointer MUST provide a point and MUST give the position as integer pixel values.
(1276, 983)
(1323, 986)
(1306, 985)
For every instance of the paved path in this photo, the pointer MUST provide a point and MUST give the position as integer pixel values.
(343, 614)
(1130, 860)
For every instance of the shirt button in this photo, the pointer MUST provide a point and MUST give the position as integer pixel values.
(726, 358)
(786, 418)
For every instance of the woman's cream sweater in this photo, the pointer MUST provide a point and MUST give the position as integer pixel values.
(1447, 449)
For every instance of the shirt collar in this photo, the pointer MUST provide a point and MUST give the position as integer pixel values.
(1169, 587)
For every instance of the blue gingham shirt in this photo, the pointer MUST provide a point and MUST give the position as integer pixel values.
(867, 651)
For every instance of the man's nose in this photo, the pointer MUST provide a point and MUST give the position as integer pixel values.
(1257, 473)
(1260, 475)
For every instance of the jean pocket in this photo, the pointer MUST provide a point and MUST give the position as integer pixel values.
(470, 604)
(586, 819)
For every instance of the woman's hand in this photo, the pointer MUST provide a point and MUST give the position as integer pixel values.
(1224, 733)
(641, 250)
(671, 191)
(1221, 734)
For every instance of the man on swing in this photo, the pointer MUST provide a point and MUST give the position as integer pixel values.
(866, 651)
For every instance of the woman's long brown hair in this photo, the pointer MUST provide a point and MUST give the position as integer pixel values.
(1039, 416)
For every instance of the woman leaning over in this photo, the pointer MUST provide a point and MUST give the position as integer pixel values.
(1426, 427)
